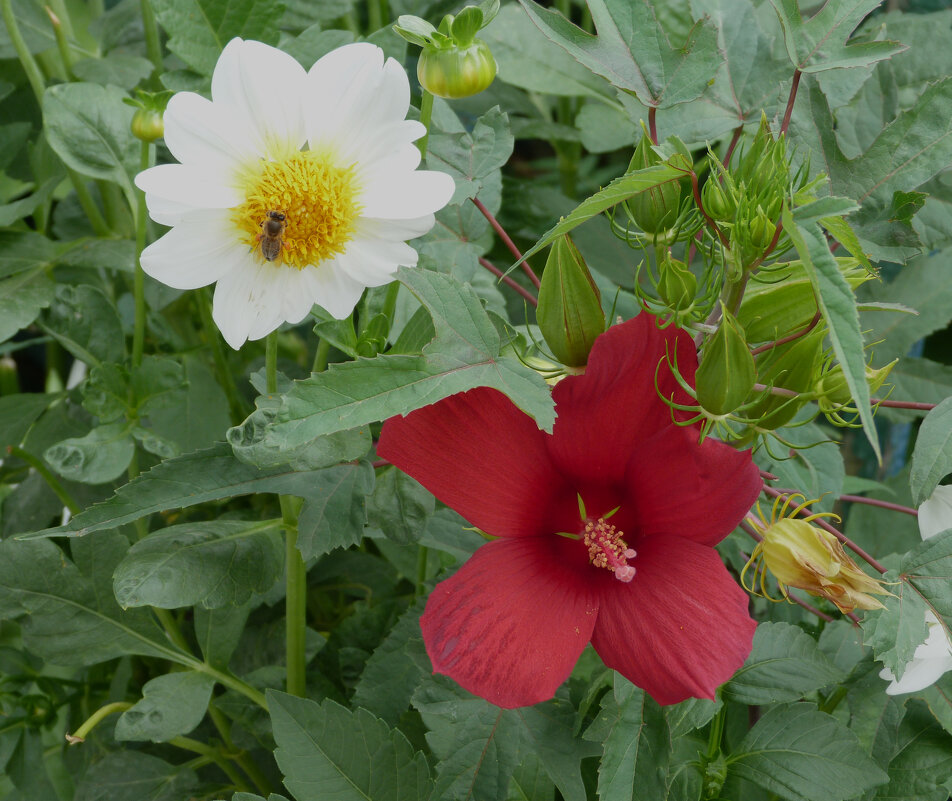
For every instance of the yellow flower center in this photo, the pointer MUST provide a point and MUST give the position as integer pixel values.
(318, 200)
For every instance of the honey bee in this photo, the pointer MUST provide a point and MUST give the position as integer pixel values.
(272, 230)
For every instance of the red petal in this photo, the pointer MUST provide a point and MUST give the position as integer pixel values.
(614, 405)
(511, 623)
(481, 456)
(697, 492)
(680, 629)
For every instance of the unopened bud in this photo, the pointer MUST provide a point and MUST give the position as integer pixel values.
(792, 366)
(762, 231)
(457, 71)
(677, 285)
(656, 209)
(727, 372)
(716, 202)
(833, 393)
(570, 308)
(147, 124)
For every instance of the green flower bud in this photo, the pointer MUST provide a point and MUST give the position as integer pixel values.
(791, 366)
(762, 231)
(727, 371)
(570, 308)
(147, 124)
(655, 210)
(833, 393)
(716, 202)
(457, 71)
(677, 285)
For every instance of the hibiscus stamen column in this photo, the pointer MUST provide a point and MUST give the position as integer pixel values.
(295, 590)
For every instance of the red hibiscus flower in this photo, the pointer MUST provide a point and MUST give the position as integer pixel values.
(605, 530)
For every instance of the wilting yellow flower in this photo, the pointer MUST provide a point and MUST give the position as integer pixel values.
(802, 555)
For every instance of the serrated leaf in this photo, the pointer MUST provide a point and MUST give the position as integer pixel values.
(65, 618)
(464, 354)
(134, 776)
(335, 514)
(895, 632)
(632, 49)
(200, 29)
(922, 762)
(838, 305)
(171, 705)
(928, 568)
(932, 455)
(784, 665)
(400, 506)
(327, 751)
(214, 563)
(820, 43)
(802, 754)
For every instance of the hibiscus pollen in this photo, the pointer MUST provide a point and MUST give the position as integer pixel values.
(607, 549)
(318, 200)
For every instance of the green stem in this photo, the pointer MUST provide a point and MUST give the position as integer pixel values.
(138, 290)
(375, 15)
(833, 700)
(390, 301)
(90, 209)
(171, 627)
(717, 732)
(225, 377)
(225, 679)
(242, 758)
(153, 46)
(426, 115)
(419, 588)
(320, 356)
(295, 570)
(30, 67)
(65, 498)
(95, 719)
(62, 45)
(62, 13)
(188, 744)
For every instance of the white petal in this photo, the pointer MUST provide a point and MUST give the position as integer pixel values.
(400, 195)
(206, 134)
(202, 248)
(238, 305)
(935, 514)
(919, 674)
(166, 212)
(264, 88)
(400, 230)
(331, 287)
(187, 186)
(373, 262)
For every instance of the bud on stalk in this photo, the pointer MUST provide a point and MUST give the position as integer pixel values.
(570, 309)
(727, 372)
(677, 285)
(833, 393)
(458, 71)
(656, 209)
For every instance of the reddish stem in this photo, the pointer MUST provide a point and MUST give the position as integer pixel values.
(903, 404)
(738, 132)
(873, 563)
(896, 507)
(652, 124)
(790, 101)
(508, 281)
(788, 338)
(506, 240)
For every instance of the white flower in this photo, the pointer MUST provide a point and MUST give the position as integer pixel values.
(329, 149)
(930, 661)
(935, 514)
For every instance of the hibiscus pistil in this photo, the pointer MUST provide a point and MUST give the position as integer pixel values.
(607, 549)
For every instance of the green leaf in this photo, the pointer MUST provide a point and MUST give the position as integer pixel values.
(527, 59)
(895, 632)
(199, 29)
(85, 322)
(206, 475)
(921, 380)
(616, 192)
(838, 305)
(25, 250)
(119, 69)
(804, 755)
(171, 705)
(22, 297)
(400, 506)
(636, 749)
(18, 209)
(88, 126)
(135, 776)
(633, 51)
(215, 563)
(65, 617)
(821, 42)
(784, 665)
(938, 697)
(464, 354)
(17, 414)
(395, 669)
(335, 514)
(818, 470)
(472, 158)
(928, 568)
(327, 751)
(923, 759)
(97, 458)
(218, 632)
(932, 455)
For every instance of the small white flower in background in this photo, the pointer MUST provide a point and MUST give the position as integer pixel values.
(935, 513)
(930, 661)
(292, 187)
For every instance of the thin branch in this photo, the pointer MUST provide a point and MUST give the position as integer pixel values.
(738, 132)
(653, 124)
(789, 337)
(790, 101)
(506, 240)
(926, 407)
(508, 281)
(896, 507)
